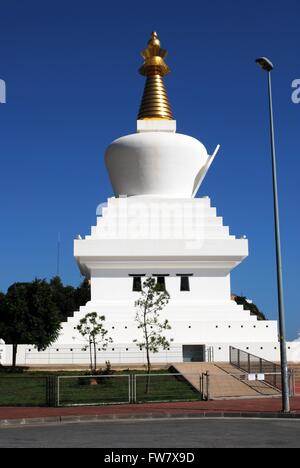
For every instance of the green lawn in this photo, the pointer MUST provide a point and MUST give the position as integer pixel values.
(18, 390)
(77, 391)
(30, 389)
(164, 388)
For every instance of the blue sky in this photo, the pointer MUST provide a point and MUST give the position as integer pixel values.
(73, 87)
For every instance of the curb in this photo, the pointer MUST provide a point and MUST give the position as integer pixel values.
(10, 423)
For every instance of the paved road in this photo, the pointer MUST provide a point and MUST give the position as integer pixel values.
(175, 433)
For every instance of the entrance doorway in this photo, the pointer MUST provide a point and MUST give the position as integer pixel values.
(193, 353)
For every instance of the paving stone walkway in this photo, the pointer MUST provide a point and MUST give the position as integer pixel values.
(256, 406)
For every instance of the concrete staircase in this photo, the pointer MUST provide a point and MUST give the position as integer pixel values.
(225, 381)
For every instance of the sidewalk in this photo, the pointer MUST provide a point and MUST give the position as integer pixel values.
(230, 408)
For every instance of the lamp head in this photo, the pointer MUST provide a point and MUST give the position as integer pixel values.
(265, 63)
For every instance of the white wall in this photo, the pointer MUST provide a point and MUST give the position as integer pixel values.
(2, 353)
(203, 289)
(128, 353)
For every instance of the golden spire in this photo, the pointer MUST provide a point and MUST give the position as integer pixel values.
(155, 103)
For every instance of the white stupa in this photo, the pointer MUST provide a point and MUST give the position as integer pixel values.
(154, 226)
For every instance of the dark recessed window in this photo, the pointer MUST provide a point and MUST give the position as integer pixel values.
(137, 284)
(161, 283)
(185, 283)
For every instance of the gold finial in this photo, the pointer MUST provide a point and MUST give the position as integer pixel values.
(154, 41)
(155, 103)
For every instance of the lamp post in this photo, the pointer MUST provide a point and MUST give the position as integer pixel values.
(267, 65)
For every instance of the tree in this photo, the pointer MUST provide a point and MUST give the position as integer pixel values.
(152, 301)
(69, 299)
(254, 310)
(83, 294)
(28, 315)
(2, 325)
(64, 298)
(92, 329)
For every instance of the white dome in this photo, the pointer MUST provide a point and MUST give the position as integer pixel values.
(162, 164)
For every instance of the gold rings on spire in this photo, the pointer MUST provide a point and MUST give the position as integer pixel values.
(155, 103)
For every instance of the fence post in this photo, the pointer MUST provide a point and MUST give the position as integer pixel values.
(249, 364)
(207, 385)
(133, 388)
(292, 383)
(130, 388)
(239, 358)
(275, 375)
(51, 385)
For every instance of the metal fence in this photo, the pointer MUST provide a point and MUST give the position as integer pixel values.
(93, 390)
(133, 388)
(295, 382)
(78, 390)
(238, 385)
(166, 387)
(256, 365)
(23, 390)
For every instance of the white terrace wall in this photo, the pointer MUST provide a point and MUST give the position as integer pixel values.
(130, 354)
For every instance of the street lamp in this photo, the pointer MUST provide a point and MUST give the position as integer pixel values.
(267, 65)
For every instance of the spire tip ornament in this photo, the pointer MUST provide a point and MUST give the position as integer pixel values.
(154, 40)
(155, 103)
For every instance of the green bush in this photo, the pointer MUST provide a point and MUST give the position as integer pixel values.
(12, 370)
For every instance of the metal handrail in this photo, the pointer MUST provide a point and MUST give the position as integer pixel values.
(252, 359)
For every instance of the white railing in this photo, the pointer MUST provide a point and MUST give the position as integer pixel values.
(166, 387)
(93, 390)
(78, 390)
